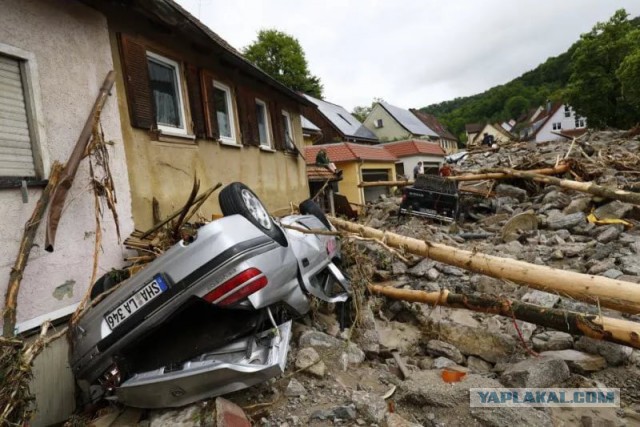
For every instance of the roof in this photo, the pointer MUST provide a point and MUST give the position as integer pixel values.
(340, 118)
(473, 127)
(545, 117)
(348, 152)
(414, 147)
(170, 13)
(307, 125)
(432, 122)
(408, 120)
(498, 127)
(321, 174)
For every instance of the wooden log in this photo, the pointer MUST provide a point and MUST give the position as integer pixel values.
(618, 331)
(584, 187)
(504, 174)
(30, 229)
(62, 189)
(385, 184)
(611, 293)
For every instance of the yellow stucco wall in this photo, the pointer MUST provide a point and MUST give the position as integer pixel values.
(390, 130)
(491, 130)
(352, 177)
(165, 170)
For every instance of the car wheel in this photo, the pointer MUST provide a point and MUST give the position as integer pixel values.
(238, 199)
(108, 281)
(309, 207)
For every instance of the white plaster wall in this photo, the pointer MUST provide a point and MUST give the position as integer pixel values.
(568, 123)
(71, 47)
(410, 162)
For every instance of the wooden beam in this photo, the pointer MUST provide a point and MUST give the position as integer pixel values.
(503, 174)
(611, 293)
(619, 331)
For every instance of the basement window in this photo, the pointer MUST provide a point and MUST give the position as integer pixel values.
(167, 94)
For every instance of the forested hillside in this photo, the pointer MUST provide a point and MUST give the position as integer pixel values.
(549, 80)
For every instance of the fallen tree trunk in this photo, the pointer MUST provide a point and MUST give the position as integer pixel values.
(609, 329)
(611, 293)
(504, 173)
(66, 181)
(385, 184)
(30, 229)
(585, 187)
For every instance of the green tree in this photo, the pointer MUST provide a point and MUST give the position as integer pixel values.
(281, 56)
(515, 106)
(595, 89)
(629, 74)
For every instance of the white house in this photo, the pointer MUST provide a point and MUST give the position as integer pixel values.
(412, 151)
(558, 122)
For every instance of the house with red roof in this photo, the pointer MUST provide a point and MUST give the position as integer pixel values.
(359, 163)
(412, 151)
(446, 139)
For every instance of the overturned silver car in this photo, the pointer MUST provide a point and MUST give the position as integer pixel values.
(210, 316)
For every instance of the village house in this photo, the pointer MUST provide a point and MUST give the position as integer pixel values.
(558, 121)
(336, 124)
(446, 139)
(359, 163)
(193, 106)
(410, 152)
(472, 130)
(499, 133)
(391, 123)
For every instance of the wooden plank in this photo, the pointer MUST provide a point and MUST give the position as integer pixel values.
(129, 418)
(106, 420)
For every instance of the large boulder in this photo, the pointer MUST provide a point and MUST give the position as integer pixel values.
(537, 372)
(582, 363)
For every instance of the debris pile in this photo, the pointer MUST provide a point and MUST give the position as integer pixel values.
(406, 363)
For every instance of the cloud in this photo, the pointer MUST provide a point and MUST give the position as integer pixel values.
(412, 53)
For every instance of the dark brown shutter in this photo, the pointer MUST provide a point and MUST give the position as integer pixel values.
(247, 116)
(195, 100)
(278, 128)
(210, 113)
(136, 79)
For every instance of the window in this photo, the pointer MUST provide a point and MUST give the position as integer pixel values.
(378, 123)
(21, 133)
(345, 119)
(288, 131)
(167, 94)
(567, 111)
(262, 115)
(224, 112)
(557, 126)
(580, 122)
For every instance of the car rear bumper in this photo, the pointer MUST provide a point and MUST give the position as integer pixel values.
(238, 365)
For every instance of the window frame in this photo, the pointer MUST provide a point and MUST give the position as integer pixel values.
(269, 144)
(228, 95)
(289, 128)
(557, 126)
(567, 111)
(33, 106)
(177, 68)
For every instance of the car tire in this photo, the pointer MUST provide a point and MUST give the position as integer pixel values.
(309, 207)
(108, 281)
(238, 199)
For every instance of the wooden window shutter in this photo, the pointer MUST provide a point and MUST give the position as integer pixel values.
(276, 123)
(136, 79)
(247, 116)
(194, 89)
(211, 121)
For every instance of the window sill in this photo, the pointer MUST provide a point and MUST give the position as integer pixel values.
(230, 144)
(173, 138)
(267, 149)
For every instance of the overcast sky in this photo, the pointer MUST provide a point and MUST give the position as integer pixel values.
(412, 53)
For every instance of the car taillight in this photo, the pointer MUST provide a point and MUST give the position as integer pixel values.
(238, 287)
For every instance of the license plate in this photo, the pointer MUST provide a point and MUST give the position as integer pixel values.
(136, 301)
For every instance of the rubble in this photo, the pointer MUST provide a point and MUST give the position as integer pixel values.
(538, 372)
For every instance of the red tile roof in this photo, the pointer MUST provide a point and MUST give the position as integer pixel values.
(320, 173)
(347, 152)
(414, 147)
(432, 122)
